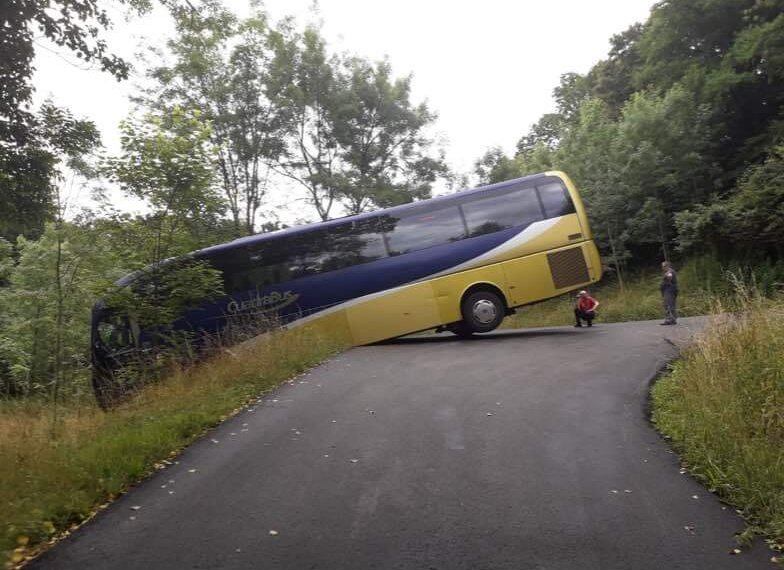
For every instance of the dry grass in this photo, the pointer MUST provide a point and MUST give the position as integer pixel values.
(54, 475)
(723, 407)
(640, 300)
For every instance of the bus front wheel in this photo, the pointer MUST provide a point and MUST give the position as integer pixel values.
(482, 312)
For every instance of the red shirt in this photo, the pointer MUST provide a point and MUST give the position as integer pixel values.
(586, 303)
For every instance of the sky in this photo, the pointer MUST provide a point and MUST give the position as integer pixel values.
(486, 68)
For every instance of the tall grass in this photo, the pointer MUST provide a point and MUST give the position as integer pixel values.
(723, 406)
(702, 280)
(55, 475)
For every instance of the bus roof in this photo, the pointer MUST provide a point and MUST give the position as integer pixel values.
(257, 238)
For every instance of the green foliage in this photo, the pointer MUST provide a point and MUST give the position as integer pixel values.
(29, 173)
(165, 162)
(723, 407)
(232, 71)
(342, 128)
(74, 24)
(665, 137)
(381, 143)
(353, 134)
(31, 317)
(748, 222)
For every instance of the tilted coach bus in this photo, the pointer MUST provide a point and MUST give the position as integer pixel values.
(460, 262)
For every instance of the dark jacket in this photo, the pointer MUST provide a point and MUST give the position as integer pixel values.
(669, 282)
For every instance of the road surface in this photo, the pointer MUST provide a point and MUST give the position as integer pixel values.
(525, 449)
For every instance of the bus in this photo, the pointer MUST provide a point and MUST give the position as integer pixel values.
(460, 262)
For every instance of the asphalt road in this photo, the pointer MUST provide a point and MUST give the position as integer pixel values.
(523, 450)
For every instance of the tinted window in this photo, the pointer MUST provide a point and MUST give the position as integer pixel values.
(555, 199)
(292, 257)
(494, 213)
(425, 228)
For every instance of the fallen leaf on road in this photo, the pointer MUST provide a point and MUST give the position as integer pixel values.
(22, 540)
(489, 413)
(735, 551)
(695, 497)
(192, 470)
(135, 508)
(273, 533)
(354, 460)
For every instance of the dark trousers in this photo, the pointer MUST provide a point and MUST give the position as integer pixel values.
(670, 299)
(584, 315)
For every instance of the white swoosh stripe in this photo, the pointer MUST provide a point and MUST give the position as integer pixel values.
(529, 233)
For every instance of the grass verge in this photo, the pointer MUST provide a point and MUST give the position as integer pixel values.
(701, 281)
(55, 475)
(723, 406)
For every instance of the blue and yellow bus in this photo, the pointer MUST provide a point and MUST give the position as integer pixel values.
(460, 262)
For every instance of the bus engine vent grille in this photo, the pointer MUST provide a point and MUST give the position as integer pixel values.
(568, 267)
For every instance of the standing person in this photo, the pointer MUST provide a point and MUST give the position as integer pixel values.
(585, 309)
(669, 291)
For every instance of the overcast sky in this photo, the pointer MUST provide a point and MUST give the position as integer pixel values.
(487, 68)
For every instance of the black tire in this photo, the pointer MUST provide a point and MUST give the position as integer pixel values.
(482, 311)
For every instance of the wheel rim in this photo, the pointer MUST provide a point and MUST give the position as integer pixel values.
(484, 311)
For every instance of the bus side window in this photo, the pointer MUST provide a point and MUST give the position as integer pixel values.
(555, 199)
(494, 213)
(423, 229)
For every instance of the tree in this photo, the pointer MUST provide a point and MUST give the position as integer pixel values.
(74, 24)
(44, 342)
(354, 135)
(383, 150)
(612, 79)
(494, 166)
(29, 176)
(310, 156)
(748, 223)
(226, 68)
(166, 163)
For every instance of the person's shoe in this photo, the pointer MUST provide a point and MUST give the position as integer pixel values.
(578, 326)
(590, 324)
(667, 323)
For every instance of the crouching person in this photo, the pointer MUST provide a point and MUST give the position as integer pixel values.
(585, 309)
